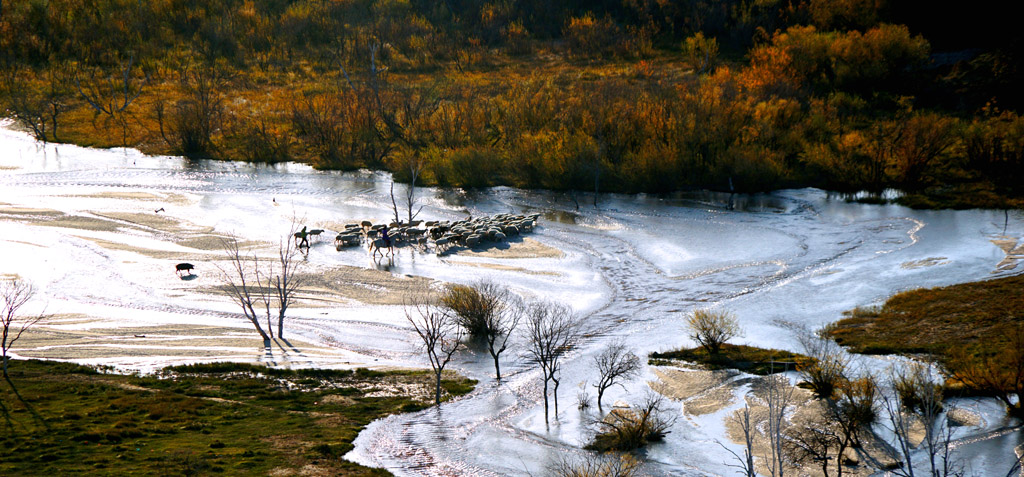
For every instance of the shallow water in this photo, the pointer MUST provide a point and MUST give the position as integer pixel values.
(633, 266)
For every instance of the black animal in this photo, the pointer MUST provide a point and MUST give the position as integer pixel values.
(157, 211)
(183, 267)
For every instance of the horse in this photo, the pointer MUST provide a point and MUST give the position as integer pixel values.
(315, 233)
(183, 267)
(377, 244)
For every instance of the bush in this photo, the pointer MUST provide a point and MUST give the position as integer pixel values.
(587, 35)
(474, 306)
(712, 328)
(628, 429)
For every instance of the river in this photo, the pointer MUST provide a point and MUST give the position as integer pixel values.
(82, 225)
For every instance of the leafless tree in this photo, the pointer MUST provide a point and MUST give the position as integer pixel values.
(552, 331)
(195, 118)
(826, 370)
(284, 284)
(712, 328)
(14, 294)
(746, 462)
(38, 109)
(917, 395)
(778, 398)
(251, 283)
(615, 363)
(111, 94)
(441, 336)
(499, 325)
(242, 285)
(813, 442)
(488, 312)
(415, 166)
(597, 465)
(853, 412)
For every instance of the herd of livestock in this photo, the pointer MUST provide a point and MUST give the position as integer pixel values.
(439, 235)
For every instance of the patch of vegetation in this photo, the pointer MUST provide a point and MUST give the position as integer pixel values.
(975, 330)
(605, 96)
(978, 317)
(748, 359)
(60, 418)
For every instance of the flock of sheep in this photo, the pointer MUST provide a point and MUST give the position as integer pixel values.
(442, 234)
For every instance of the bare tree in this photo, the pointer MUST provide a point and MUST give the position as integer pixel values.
(488, 312)
(415, 166)
(597, 465)
(242, 285)
(251, 283)
(917, 396)
(746, 462)
(285, 283)
(112, 94)
(712, 328)
(853, 413)
(39, 110)
(615, 363)
(500, 323)
(813, 442)
(441, 336)
(826, 370)
(778, 397)
(552, 331)
(14, 294)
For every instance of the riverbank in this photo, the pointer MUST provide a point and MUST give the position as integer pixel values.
(229, 419)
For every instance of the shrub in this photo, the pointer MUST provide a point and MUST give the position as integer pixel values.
(587, 35)
(628, 429)
(712, 328)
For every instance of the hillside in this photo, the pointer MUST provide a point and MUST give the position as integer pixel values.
(632, 96)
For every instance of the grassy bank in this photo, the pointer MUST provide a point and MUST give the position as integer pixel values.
(978, 317)
(227, 419)
(748, 359)
(974, 330)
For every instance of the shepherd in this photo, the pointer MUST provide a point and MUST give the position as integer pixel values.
(302, 237)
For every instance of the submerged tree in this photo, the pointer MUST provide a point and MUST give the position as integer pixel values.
(488, 312)
(552, 331)
(615, 363)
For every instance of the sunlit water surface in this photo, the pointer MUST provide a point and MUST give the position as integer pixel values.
(633, 266)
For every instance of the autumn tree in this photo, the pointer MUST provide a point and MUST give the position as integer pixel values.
(711, 329)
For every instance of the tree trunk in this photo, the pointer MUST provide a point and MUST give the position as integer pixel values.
(546, 400)
(437, 389)
(556, 397)
(497, 367)
(600, 394)
(280, 325)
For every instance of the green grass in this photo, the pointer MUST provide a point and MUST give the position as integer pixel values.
(220, 419)
(977, 317)
(748, 359)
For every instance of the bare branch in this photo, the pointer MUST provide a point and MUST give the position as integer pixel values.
(14, 294)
